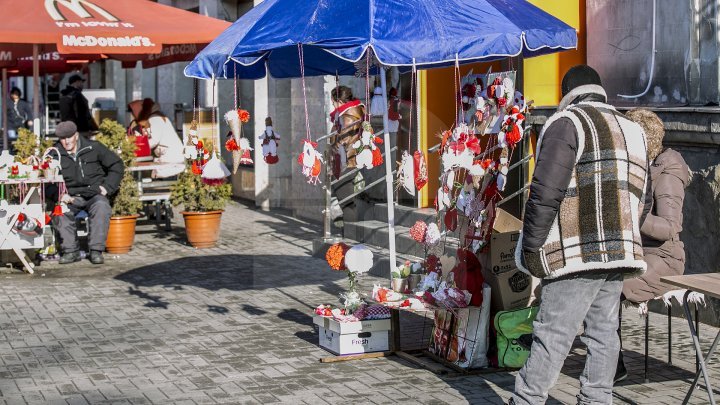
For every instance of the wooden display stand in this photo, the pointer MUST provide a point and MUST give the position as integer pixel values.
(10, 238)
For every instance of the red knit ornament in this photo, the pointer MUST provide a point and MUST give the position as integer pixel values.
(335, 256)
(513, 136)
(231, 144)
(377, 158)
(417, 232)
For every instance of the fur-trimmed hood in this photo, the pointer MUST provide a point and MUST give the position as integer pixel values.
(581, 93)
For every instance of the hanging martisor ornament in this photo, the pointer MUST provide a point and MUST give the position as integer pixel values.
(420, 173)
(214, 171)
(406, 172)
(269, 139)
(502, 170)
(368, 154)
(236, 142)
(310, 161)
(512, 130)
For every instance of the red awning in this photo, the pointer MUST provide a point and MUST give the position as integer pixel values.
(111, 27)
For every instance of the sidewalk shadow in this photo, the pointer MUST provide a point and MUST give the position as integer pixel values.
(231, 272)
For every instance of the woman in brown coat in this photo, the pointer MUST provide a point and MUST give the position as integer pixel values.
(664, 251)
(347, 120)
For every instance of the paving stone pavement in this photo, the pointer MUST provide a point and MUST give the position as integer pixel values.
(171, 324)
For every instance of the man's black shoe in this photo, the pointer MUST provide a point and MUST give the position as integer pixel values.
(620, 373)
(71, 257)
(96, 257)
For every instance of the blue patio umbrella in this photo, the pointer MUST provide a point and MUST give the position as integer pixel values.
(337, 33)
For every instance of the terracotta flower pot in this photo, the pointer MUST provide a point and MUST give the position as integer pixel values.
(202, 228)
(121, 234)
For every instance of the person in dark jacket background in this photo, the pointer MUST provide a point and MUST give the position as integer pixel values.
(92, 173)
(19, 114)
(74, 106)
(581, 236)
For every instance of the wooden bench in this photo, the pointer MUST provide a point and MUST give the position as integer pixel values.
(155, 194)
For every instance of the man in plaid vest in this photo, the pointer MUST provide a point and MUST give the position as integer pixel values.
(581, 236)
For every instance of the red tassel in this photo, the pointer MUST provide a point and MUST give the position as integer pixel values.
(513, 136)
(377, 158)
(57, 211)
(196, 169)
(48, 218)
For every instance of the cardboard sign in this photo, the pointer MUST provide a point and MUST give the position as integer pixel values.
(511, 288)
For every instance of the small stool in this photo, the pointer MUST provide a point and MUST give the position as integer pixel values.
(643, 311)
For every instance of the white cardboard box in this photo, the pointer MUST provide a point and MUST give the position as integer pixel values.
(354, 343)
(352, 327)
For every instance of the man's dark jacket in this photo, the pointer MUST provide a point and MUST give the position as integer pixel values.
(19, 115)
(94, 165)
(74, 107)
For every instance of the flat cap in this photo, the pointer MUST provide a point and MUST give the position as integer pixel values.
(65, 129)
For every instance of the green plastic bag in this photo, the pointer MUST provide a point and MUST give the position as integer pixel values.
(514, 336)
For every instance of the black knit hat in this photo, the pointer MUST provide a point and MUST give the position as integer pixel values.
(577, 76)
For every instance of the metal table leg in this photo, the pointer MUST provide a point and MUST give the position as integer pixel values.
(698, 351)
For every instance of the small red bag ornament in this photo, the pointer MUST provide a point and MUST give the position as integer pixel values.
(451, 220)
(421, 174)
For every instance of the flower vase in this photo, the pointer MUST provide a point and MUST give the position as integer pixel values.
(33, 174)
(399, 284)
(49, 173)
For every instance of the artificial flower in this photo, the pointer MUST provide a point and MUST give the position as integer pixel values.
(417, 232)
(244, 116)
(335, 256)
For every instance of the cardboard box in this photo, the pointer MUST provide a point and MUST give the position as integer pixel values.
(354, 343)
(353, 337)
(352, 327)
(511, 288)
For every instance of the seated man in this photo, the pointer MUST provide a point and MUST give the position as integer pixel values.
(92, 173)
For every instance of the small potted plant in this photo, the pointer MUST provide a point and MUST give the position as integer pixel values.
(126, 204)
(399, 277)
(203, 199)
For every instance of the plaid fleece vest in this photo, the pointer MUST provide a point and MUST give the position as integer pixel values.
(597, 227)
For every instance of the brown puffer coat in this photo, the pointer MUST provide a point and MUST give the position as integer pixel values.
(663, 249)
(350, 123)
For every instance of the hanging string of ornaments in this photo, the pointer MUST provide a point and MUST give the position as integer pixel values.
(236, 143)
(475, 153)
(310, 159)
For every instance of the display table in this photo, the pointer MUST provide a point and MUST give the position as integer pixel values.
(30, 205)
(708, 284)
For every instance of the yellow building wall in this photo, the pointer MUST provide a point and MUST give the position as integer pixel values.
(437, 106)
(542, 75)
(541, 78)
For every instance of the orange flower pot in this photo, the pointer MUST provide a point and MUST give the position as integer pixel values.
(121, 234)
(202, 228)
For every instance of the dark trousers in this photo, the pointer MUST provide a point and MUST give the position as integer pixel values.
(99, 211)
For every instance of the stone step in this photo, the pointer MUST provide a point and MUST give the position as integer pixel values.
(404, 216)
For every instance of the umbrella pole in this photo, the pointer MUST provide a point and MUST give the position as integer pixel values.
(36, 90)
(4, 98)
(389, 179)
